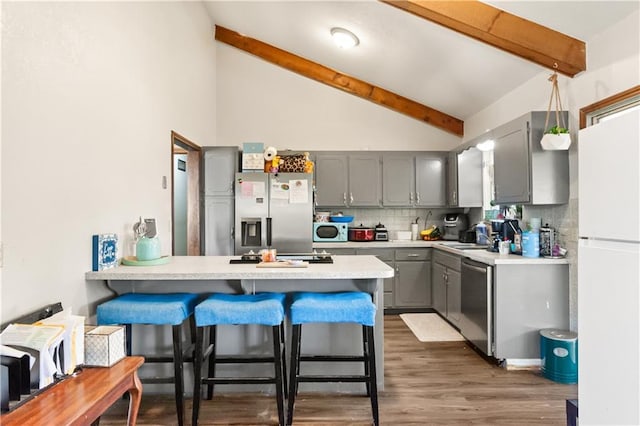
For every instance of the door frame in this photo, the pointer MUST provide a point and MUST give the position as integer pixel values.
(180, 144)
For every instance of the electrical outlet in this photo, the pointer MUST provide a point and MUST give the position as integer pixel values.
(164, 182)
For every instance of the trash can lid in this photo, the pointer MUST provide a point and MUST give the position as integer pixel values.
(555, 334)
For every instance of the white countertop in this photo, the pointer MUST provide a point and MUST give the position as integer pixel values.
(479, 255)
(219, 268)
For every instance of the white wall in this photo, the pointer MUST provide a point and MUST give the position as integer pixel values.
(613, 65)
(261, 102)
(90, 94)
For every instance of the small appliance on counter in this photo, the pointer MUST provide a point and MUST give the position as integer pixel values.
(147, 242)
(361, 233)
(503, 230)
(330, 232)
(381, 233)
(468, 236)
(453, 224)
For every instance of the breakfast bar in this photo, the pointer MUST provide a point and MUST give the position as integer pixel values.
(208, 274)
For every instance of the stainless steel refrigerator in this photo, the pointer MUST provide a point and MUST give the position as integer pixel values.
(273, 211)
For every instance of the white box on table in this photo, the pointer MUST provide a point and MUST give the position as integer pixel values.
(104, 345)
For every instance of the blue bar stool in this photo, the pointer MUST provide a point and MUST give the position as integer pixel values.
(354, 307)
(154, 309)
(236, 309)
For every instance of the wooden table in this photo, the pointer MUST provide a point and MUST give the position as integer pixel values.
(81, 399)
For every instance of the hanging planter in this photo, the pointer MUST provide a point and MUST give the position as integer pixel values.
(556, 137)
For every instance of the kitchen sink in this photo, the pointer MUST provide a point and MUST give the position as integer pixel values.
(467, 246)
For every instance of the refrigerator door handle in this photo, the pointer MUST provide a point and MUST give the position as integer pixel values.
(268, 232)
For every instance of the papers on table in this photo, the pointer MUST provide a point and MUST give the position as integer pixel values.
(42, 340)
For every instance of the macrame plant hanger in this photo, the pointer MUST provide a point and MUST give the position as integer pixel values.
(555, 141)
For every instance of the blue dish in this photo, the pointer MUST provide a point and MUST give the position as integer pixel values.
(342, 219)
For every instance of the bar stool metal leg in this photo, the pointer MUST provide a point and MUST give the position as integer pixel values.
(372, 385)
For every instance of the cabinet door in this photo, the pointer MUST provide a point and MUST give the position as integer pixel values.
(412, 284)
(331, 180)
(439, 288)
(452, 179)
(220, 167)
(454, 296)
(398, 181)
(364, 180)
(470, 178)
(430, 181)
(218, 226)
(511, 163)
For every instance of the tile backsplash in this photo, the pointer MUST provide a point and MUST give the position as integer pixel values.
(399, 219)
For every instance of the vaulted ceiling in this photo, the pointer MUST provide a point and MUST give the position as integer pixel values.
(425, 53)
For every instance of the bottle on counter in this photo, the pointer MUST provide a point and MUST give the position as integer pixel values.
(531, 243)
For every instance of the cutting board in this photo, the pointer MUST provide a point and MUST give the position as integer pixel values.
(282, 264)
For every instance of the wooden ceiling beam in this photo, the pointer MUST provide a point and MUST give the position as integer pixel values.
(340, 81)
(488, 24)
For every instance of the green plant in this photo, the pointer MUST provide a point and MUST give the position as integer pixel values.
(557, 130)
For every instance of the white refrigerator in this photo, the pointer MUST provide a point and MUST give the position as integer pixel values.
(609, 272)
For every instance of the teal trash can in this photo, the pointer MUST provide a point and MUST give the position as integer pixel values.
(559, 355)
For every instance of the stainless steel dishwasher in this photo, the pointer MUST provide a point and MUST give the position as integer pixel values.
(476, 322)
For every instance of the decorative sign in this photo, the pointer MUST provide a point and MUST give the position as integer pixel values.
(105, 251)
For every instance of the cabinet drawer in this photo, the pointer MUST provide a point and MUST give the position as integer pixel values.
(449, 260)
(385, 255)
(341, 251)
(413, 254)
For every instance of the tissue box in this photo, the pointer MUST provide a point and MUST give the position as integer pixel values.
(104, 345)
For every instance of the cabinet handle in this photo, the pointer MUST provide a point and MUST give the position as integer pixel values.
(411, 197)
(455, 197)
(351, 198)
(344, 198)
(417, 198)
(413, 255)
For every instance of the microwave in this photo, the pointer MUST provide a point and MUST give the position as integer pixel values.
(330, 231)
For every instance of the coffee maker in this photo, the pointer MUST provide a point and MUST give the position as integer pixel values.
(502, 230)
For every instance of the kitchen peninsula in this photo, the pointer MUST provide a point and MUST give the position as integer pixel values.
(207, 274)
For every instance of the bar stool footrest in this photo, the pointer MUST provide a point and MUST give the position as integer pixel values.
(239, 380)
(333, 379)
(157, 380)
(243, 360)
(335, 358)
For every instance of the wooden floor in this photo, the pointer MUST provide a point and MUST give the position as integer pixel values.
(444, 383)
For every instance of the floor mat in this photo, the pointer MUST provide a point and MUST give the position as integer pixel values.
(430, 328)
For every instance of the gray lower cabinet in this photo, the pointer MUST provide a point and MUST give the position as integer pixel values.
(412, 278)
(410, 287)
(527, 299)
(447, 286)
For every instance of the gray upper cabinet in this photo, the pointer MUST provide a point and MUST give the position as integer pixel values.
(398, 181)
(331, 172)
(430, 181)
(414, 180)
(348, 180)
(364, 180)
(523, 171)
(220, 166)
(469, 178)
(452, 179)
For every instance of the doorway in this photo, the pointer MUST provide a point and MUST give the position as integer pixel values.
(185, 196)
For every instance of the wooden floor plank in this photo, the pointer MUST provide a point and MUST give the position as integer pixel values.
(428, 383)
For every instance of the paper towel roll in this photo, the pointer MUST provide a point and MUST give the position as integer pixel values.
(269, 153)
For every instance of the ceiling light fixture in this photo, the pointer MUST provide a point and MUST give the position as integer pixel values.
(487, 145)
(345, 39)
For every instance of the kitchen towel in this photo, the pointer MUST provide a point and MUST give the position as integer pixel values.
(430, 328)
